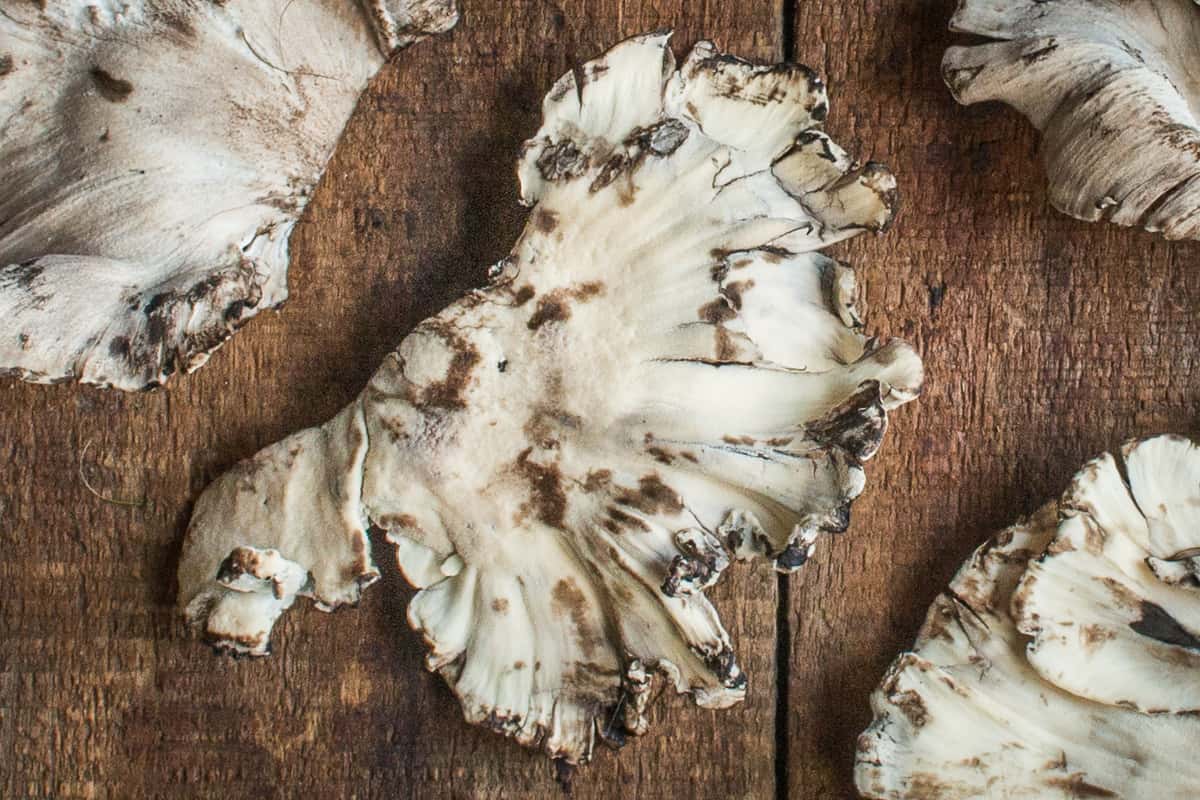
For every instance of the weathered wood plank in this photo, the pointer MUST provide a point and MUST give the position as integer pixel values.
(1046, 341)
(101, 693)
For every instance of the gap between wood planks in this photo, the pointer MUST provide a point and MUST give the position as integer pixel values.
(783, 628)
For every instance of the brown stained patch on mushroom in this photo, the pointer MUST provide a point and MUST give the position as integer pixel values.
(651, 497)
(393, 521)
(1095, 635)
(716, 311)
(1121, 594)
(115, 90)
(550, 308)
(569, 600)
(545, 488)
(597, 479)
(555, 306)
(1077, 786)
(545, 220)
(912, 706)
(22, 275)
(6, 65)
(734, 290)
(448, 394)
(743, 441)
(659, 454)
(1094, 536)
(856, 425)
(618, 521)
(1061, 544)
(228, 640)
(524, 295)
(500, 605)
(724, 348)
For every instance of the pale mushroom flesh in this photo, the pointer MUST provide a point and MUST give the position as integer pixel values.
(1064, 661)
(155, 157)
(663, 376)
(1114, 87)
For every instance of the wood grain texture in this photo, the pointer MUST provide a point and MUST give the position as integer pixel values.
(103, 695)
(1046, 341)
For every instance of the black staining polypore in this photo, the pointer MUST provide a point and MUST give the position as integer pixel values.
(1157, 623)
(547, 496)
(856, 425)
(115, 90)
(555, 306)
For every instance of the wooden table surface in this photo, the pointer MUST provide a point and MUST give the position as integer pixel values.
(1045, 340)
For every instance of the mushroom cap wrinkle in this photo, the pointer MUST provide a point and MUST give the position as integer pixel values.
(664, 376)
(1064, 661)
(1114, 87)
(156, 155)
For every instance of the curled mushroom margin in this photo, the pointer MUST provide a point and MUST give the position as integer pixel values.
(1064, 660)
(155, 157)
(1113, 88)
(663, 377)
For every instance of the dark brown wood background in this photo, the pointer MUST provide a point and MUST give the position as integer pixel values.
(1046, 341)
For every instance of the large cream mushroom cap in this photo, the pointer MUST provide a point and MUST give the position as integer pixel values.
(664, 376)
(155, 156)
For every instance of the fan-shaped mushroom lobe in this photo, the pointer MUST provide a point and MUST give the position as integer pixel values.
(1114, 87)
(663, 376)
(1062, 662)
(155, 156)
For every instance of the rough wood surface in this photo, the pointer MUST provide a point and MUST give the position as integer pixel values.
(1046, 340)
